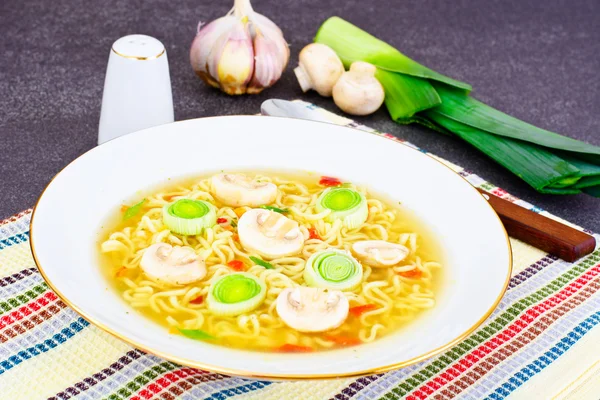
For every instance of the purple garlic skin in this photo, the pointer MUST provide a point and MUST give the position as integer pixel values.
(242, 52)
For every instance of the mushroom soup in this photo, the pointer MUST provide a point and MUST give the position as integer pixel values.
(272, 261)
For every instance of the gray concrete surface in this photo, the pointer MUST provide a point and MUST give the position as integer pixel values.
(537, 60)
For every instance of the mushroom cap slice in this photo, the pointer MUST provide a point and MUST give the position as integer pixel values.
(174, 265)
(379, 253)
(312, 309)
(238, 190)
(269, 234)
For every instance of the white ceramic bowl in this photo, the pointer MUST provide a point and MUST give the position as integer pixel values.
(68, 216)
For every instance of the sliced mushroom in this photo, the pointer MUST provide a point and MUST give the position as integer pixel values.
(379, 253)
(308, 309)
(175, 265)
(239, 190)
(269, 234)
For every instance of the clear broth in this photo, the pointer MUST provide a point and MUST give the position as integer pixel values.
(278, 336)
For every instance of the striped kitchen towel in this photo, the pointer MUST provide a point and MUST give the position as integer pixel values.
(542, 342)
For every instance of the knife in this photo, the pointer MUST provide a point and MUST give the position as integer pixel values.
(542, 232)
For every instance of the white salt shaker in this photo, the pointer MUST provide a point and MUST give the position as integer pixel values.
(137, 88)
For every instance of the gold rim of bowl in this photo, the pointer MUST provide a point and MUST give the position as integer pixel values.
(253, 375)
(135, 58)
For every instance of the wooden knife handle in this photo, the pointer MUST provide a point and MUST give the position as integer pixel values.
(542, 232)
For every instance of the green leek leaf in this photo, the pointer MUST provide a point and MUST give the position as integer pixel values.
(469, 111)
(353, 44)
(585, 168)
(196, 334)
(535, 165)
(276, 209)
(593, 191)
(396, 86)
(587, 181)
(590, 173)
(133, 210)
(262, 263)
(549, 162)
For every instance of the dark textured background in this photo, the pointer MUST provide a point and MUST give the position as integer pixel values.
(538, 60)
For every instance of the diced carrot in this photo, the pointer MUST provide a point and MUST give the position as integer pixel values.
(221, 220)
(169, 197)
(343, 340)
(124, 208)
(293, 348)
(357, 311)
(197, 300)
(121, 272)
(313, 234)
(329, 181)
(239, 211)
(412, 274)
(236, 265)
(236, 237)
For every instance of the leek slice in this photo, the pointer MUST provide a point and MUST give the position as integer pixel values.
(333, 269)
(235, 294)
(345, 204)
(189, 217)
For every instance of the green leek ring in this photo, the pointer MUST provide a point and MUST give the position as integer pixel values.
(345, 204)
(333, 269)
(236, 294)
(189, 217)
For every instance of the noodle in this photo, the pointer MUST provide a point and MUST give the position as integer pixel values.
(397, 296)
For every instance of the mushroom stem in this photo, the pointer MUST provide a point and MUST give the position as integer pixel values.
(303, 78)
(294, 298)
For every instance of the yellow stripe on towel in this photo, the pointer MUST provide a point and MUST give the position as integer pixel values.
(47, 374)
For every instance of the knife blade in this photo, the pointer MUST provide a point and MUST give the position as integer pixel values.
(542, 232)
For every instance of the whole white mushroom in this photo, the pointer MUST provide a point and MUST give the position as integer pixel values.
(358, 92)
(319, 68)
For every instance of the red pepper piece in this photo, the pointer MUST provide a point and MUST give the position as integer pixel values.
(329, 181)
(343, 340)
(357, 311)
(292, 348)
(313, 234)
(412, 274)
(236, 265)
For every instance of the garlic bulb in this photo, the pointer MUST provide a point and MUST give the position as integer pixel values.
(242, 52)
(358, 92)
